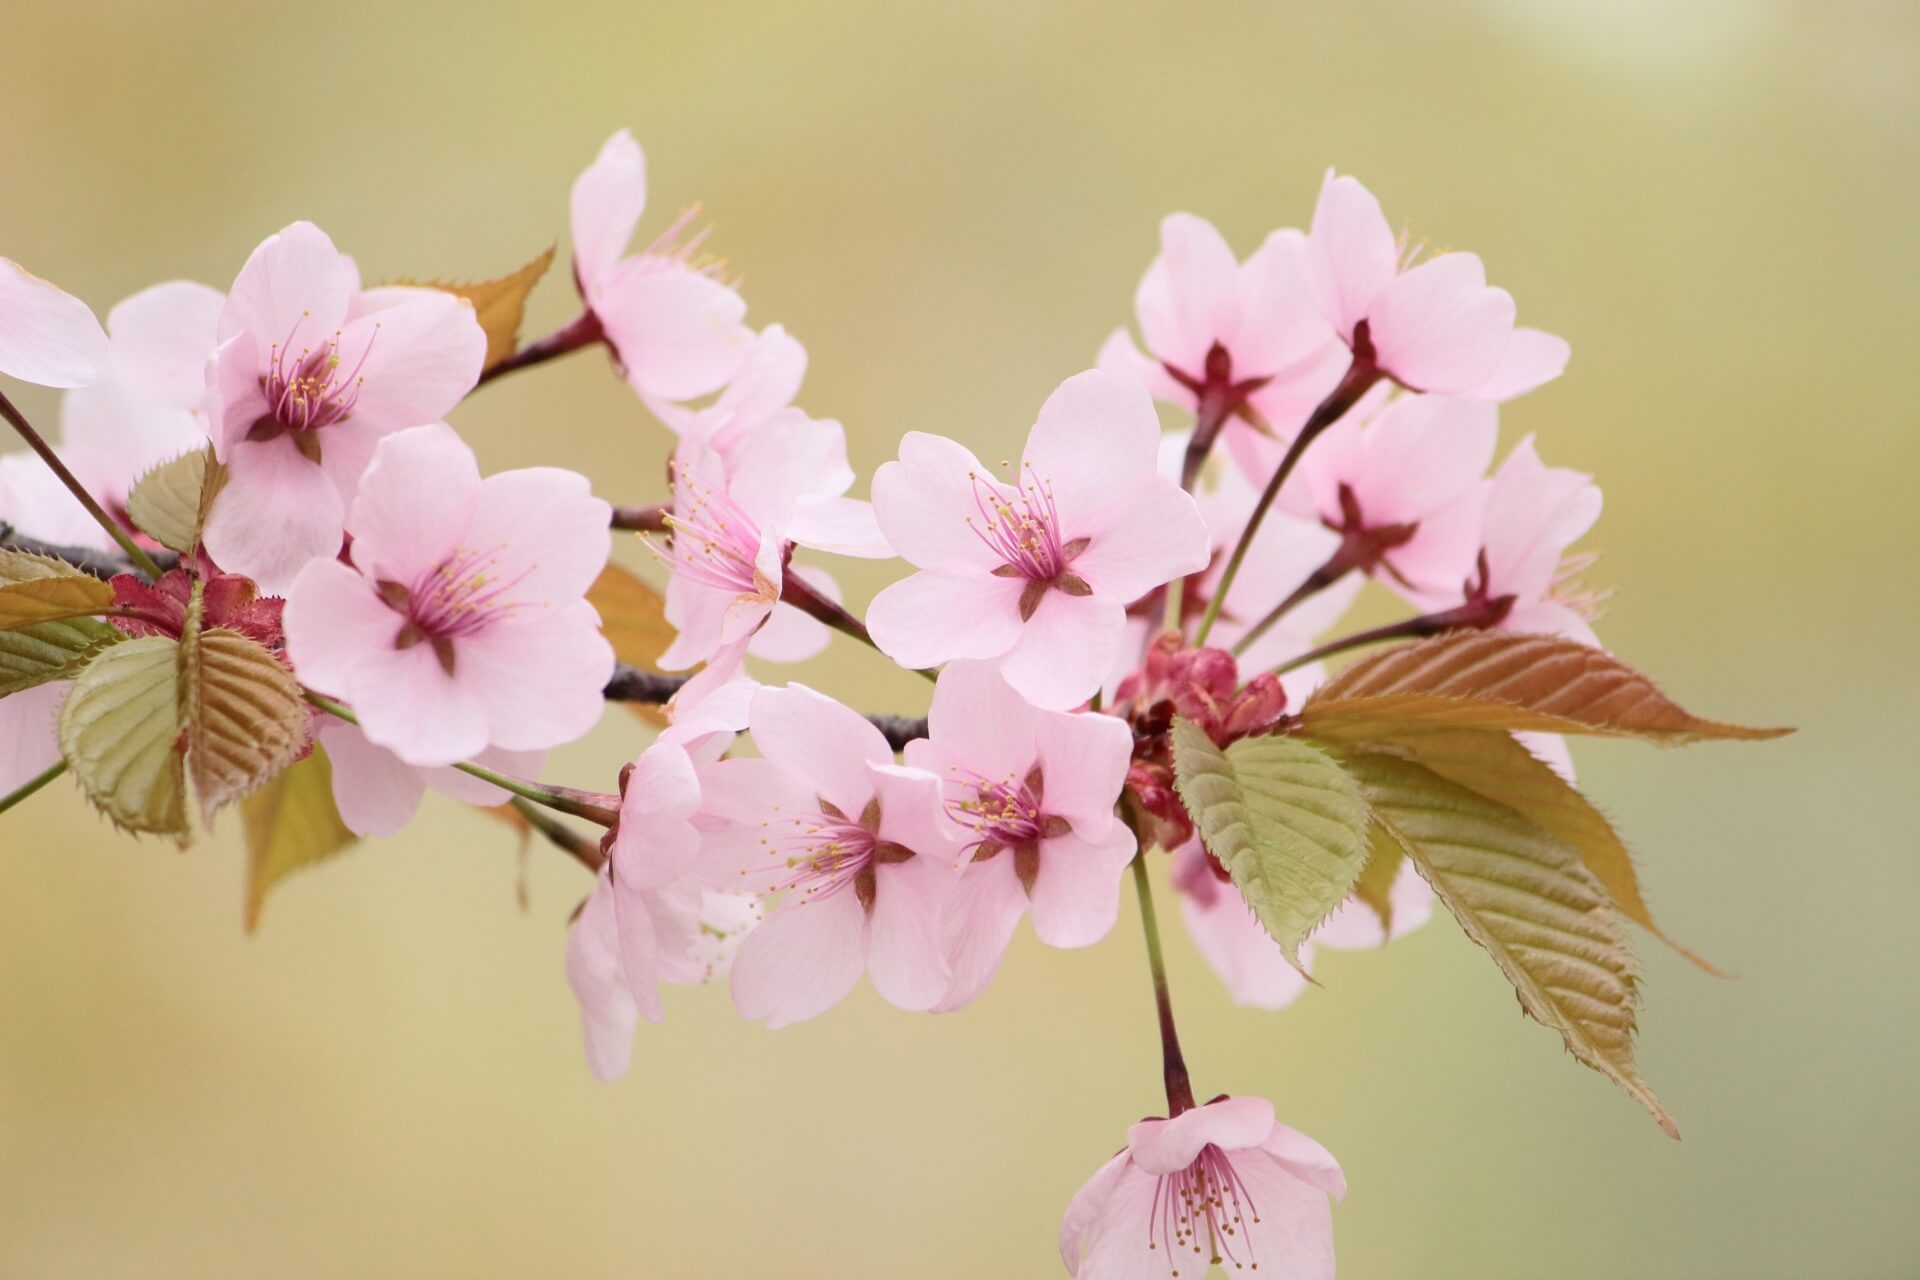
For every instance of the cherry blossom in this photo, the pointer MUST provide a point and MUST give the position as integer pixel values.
(760, 393)
(29, 733)
(311, 372)
(674, 326)
(1223, 1184)
(1435, 326)
(733, 529)
(857, 847)
(1534, 512)
(1032, 796)
(377, 793)
(462, 621)
(1240, 343)
(1035, 572)
(47, 336)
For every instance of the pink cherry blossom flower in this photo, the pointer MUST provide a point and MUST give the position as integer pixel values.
(674, 326)
(1436, 326)
(1401, 483)
(1220, 1184)
(1036, 573)
(143, 409)
(856, 846)
(311, 372)
(1534, 513)
(30, 733)
(1032, 795)
(47, 336)
(758, 394)
(377, 793)
(733, 529)
(1238, 343)
(462, 621)
(1245, 957)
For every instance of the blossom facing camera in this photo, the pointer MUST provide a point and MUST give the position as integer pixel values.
(47, 336)
(675, 327)
(462, 621)
(1035, 572)
(1217, 1185)
(311, 373)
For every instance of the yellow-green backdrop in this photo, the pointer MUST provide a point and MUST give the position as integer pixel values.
(951, 205)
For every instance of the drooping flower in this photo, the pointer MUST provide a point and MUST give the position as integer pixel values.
(47, 336)
(1032, 796)
(1035, 572)
(1435, 326)
(462, 621)
(1244, 955)
(1221, 1184)
(144, 409)
(856, 846)
(1402, 483)
(673, 324)
(1534, 513)
(1240, 343)
(732, 531)
(311, 372)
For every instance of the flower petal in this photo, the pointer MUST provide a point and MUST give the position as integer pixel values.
(1076, 895)
(292, 293)
(924, 501)
(334, 622)
(1353, 251)
(538, 677)
(977, 924)
(415, 504)
(376, 792)
(930, 618)
(802, 960)
(1065, 649)
(904, 954)
(1094, 437)
(608, 1014)
(47, 336)
(820, 740)
(678, 333)
(276, 513)
(422, 351)
(607, 201)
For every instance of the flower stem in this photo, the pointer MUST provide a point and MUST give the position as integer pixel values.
(1173, 1065)
(1337, 567)
(1474, 615)
(797, 593)
(583, 331)
(1361, 375)
(591, 805)
(1208, 417)
(114, 529)
(581, 849)
(8, 801)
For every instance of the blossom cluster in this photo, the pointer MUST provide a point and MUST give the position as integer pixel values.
(1337, 395)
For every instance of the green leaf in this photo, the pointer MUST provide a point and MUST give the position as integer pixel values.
(170, 503)
(1526, 897)
(121, 732)
(1283, 818)
(499, 305)
(1499, 768)
(245, 718)
(1503, 680)
(291, 823)
(36, 589)
(34, 655)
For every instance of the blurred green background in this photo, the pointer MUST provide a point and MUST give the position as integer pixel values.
(950, 206)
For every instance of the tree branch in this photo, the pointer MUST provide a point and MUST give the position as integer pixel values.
(101, 564)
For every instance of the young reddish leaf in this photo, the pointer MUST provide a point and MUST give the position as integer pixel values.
(1499, 768)
(120, 732)
(1500, 680)
(290, 824)
(500, 305)
(170, 503)
(1282, 817)
(1528, 899)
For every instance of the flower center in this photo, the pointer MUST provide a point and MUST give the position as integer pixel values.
(458, 597)
(827, 852)
(1023, 529)
(305, 387)
(1005, 814)
(710, 539)
(1205, 1208)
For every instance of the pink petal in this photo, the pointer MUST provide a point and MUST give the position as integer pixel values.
(608, 1014)
(1306, 1160)
(415, 504)
(1186, 300)
(608, 199)
(930, 618)
(1121, 358)
(1116, 1244)
(554, 534)
(698, 613)
(639, 948)
(334, 622)
(408, 704)
(912, 815)
(1149, 532)
(376, 793)
(1551, 750)
(1421, 453)
(1292, 1235)
(162, 338)
(234, 401)
(1076, 896)
(678, 333)
(34, 501)
(1532, 359)
(277, 512)
(1232, 1124)
(1085, 1209)
(1440, 328)
(423, 351)
(1534, 513)
(904, 955)
(801, 961)
(979, 723)
(793, 457)
(467, 789)
(1278, 327)
(47, 336)
(1354, 253)
(1241, 952)
(923, 503)
(537, 677)
(29, 733)
(739, 797)
(293, 292)
(766, 384)
(655, 843)
(1095, 436)
(820, 740)
(1065, 649)
(977, 924)
(1084, 759)
(790, 635)
(844, 526)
